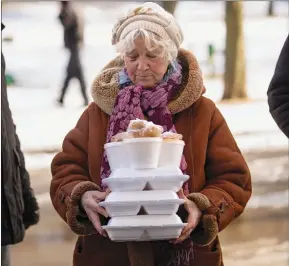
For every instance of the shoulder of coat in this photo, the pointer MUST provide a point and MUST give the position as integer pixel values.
(205, 104)
(95, 111)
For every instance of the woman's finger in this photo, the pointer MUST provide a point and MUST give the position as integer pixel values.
(193, 220)
(99, 196)
(102, 195)
(107, 192)
(101, 211)
(182, 237)
(93, 217)
(188, 228)
(181, 194)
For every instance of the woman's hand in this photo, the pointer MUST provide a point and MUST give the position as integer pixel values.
(194, 216)
(89, 202)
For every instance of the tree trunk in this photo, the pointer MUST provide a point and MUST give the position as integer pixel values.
(235, 69)
(270, 12)
(170, 6)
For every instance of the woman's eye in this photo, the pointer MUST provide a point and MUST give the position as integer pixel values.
(151, 56)
(132, 57)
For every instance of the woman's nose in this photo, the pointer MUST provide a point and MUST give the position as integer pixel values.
(142, 65)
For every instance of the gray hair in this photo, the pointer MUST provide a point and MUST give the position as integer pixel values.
(168, 49)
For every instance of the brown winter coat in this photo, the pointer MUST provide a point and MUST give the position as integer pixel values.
(220, 182)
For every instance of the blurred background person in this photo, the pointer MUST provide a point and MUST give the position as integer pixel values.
(73, 39)
(278, 92)
(19, 209)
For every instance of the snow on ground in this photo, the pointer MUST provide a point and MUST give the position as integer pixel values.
(42, 125)
(202, 24)
(38, 60)
(38, 161)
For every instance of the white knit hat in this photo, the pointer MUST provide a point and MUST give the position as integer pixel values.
(149, 16)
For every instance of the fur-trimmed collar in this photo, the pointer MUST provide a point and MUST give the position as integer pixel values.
(105, 87)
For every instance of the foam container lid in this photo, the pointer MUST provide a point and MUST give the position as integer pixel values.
(136, 196)
(174, 183)
(160, 171)
(145, 220)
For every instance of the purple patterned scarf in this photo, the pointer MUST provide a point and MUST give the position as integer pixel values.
(134, 101)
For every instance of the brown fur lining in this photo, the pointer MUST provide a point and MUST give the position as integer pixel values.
(78, 223)
(208, 232)
(105, 87)
(201, 200)
(208, 229)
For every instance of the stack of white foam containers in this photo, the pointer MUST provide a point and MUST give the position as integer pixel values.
(145, 176)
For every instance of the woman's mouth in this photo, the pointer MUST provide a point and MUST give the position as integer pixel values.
(143, 77)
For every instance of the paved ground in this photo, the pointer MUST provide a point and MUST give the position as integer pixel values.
(259, 237)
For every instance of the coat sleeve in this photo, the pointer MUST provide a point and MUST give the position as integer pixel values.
(71, 179)
(228, 183)
(31, 213)
(278, 91)
(31, 208)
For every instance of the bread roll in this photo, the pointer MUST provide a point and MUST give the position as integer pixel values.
(121, 136)
(136, 125)
(171, 136)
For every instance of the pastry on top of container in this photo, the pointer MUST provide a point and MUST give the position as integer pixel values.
(121, 136)
(152, 131)
(139, 129)
(171, 136)
(144, 129)
(136, 124)
(142, 144)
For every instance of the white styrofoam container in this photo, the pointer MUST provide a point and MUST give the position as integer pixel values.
(171, 153)
(143, 153)
(130, 203)
(173, 182)
(160, 171)
(144, 228)
(125, 184)
(168, 170)
(115, 154)
(141, 196)
(145, 220)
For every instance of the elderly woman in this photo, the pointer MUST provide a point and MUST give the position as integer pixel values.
(151, 79)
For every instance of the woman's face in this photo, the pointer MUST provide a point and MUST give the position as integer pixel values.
(144, 67)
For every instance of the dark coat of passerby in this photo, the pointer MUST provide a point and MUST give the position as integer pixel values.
(73, 38)
(19, 208)
(278, 92)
